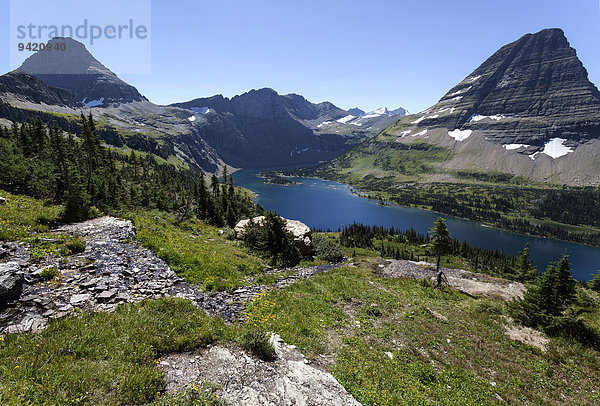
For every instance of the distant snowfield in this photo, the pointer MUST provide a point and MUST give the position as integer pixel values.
(324, 123)
(192, 118)
(510, 147)
(460, 135)
(344, 120)
(461, 91)
(417, 121)
(405, 133)
(555, 148)
(420, 133)
(473, 79)
(478, 117)
(93, 103)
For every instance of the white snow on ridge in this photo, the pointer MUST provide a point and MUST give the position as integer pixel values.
(405, 133)
(201, 110)
(510, 147)
(457, 98)
(461, 91)
(460, 135)
(478, 117)
(324, 123)
(420, 133)
(93, 103)
(556, 148)
(344, 120)
(417, 121)
(473, 79)
(192, 118)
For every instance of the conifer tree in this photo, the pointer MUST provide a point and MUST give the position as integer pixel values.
(595, 282)
(524, 269)
(440, 245)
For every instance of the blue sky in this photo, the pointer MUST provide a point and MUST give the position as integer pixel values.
(365, 54)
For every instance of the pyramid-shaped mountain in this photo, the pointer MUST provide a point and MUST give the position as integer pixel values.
(76, 70)
(528, 110)
(530, 91)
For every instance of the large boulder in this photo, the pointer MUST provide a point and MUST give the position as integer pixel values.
(301, 232)
(11, 282)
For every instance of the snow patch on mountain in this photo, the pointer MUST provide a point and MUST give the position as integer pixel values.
(192, 118)
(461, 91)
(346, 119)
(478, 117)
(555, 148)
(473, 79)
(460, 135)
(510, 147)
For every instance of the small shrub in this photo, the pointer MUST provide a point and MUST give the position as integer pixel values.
(327, 249)
(228, 233)
(257, 343)
(75, 246)
(49, 273)
(373, 311)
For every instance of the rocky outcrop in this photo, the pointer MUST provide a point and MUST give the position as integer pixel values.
(11, 282)
(247, 381)
(113, 269)
(470, 283)
(301, 232)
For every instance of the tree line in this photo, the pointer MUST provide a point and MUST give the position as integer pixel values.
(492, 262)
(86, 177)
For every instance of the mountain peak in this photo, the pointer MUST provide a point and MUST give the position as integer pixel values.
(74, 60)
(76, 70)
(537, 77)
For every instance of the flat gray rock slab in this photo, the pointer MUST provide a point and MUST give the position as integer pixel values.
(248, 381)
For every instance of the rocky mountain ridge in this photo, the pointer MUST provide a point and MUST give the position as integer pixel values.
(259, 128)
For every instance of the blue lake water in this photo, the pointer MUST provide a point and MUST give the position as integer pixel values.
(323, 204)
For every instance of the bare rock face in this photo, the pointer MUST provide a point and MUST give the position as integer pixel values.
(11, 282)
(289, 380)
(301, 232)
(527, 93)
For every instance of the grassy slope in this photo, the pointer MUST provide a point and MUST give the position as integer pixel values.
(345, 320)
(350, 318)
(196, 251)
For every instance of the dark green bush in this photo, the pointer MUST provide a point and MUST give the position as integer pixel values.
(271, 239)
(327, 249)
